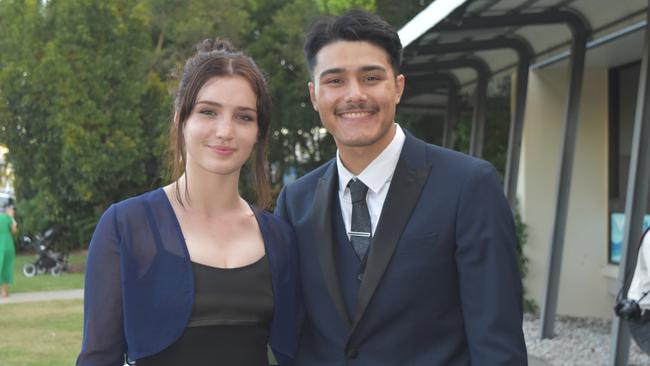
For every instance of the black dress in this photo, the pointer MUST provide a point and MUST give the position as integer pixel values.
(230, 319)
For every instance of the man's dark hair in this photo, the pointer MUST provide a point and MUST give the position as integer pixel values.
(354, 25)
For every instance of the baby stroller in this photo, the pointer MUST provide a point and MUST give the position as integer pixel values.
(46, 258)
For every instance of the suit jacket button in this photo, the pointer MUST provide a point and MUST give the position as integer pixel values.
(352, 353)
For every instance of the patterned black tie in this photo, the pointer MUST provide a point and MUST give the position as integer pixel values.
(360, 230)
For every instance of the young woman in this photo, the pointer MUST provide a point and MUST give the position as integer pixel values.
(192, 274)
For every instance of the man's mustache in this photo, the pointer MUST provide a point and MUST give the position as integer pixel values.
(357, 107)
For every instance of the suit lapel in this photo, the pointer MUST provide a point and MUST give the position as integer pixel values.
(321, 220)
(408, 180)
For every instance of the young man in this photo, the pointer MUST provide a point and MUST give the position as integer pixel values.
(407, 250)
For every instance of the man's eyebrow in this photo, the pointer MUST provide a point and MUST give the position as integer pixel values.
(336, 70)
(215, 104)
(372, 68)
(339, 70)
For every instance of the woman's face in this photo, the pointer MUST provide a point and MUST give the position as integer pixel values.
(221, 130)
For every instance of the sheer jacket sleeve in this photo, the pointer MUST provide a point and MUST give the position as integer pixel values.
(103, 331)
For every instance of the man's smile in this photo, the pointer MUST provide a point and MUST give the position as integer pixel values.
(355, 115)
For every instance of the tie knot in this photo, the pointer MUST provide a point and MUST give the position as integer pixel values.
(358, 190)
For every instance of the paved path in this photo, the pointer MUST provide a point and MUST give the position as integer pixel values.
(42, 296)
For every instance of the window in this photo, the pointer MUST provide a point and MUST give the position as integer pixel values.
(623, 87)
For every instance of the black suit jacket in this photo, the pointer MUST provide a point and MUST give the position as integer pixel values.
(441, 286)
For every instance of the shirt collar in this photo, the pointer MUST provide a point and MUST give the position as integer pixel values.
(380, 170)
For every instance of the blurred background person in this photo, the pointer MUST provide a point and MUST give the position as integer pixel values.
(8, 227)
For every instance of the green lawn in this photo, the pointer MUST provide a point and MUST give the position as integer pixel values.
(44, 333)
(41, 334)
(46, 282)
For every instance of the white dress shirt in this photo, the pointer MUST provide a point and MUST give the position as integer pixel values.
(641, 280)
(376, 176)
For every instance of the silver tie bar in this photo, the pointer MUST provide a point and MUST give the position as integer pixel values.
(359, 233)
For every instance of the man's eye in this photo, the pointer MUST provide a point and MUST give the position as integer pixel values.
(372, 78)
(334, 81)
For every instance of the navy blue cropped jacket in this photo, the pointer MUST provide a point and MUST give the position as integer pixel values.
(139, 287)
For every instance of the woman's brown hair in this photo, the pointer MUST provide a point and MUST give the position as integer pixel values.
(219, 58)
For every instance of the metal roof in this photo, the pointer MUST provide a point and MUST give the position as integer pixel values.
(612, 26)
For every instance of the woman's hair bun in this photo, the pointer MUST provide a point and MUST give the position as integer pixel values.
(209, 45)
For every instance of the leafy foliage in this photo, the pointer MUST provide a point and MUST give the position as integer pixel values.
(497, 124)
(530, 306)
(335, 7)
(71, 90)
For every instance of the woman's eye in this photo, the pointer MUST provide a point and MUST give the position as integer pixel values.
(248, 118)
(208, 112)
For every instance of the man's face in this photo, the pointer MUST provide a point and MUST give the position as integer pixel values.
(355, 92)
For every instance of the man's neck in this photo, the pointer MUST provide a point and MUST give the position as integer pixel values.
(357, 158)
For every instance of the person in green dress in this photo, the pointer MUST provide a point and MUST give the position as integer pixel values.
(8, 227)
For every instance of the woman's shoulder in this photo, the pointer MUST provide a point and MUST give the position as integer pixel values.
(137, 207)
(157, 195)
(277, 231)
(274, 222)
(271, 217)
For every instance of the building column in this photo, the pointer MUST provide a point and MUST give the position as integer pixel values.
(635, 202)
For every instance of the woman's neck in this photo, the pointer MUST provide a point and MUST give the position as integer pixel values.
(210, 195)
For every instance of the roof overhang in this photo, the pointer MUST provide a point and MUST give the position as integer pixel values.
(614, 30)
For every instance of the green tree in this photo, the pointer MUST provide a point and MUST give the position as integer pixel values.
(397, 13)
(497, 124)
(277, 47)
(335, 7)
(177, 26)
(72, 82)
